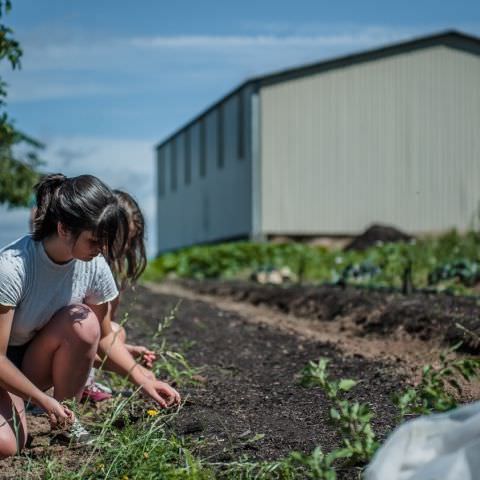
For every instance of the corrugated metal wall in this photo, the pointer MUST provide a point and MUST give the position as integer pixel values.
(395, 140)
(216, 204)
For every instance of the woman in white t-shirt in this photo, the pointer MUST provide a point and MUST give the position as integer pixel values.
(54, 294)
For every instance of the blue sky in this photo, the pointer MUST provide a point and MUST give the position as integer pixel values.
(103, 81)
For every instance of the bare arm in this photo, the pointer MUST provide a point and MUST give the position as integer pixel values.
(119, 360)
(113, 307)
(139, 352)
(116, 357)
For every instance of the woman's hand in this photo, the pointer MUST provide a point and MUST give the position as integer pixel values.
(58, 414)
(143, 354)
(161, 392)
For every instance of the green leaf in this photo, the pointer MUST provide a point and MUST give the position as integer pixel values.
(334, 414)
(346, 384)
(257, 437)
(339, 453)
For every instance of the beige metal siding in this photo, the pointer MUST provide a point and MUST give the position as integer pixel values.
(212, 207)
(395, 140)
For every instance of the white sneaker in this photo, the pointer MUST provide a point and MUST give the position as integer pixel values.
(103, 387)
(91, 380)
(75, 434)
(96, 392)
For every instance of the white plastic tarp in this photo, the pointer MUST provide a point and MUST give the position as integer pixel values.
(435, 447)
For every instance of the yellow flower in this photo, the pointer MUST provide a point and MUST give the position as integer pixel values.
(152, 413)
(125, 477)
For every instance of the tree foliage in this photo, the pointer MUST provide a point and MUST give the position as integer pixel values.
(19, 159)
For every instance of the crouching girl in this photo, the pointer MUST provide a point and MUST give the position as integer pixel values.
(54, 293)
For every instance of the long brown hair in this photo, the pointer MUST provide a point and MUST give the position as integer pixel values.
(131, 264)
(80, 203)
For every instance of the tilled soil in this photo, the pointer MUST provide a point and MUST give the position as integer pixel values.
(427, 317)
(252, 373)
(249, 402)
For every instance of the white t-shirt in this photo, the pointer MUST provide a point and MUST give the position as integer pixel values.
(38, 287)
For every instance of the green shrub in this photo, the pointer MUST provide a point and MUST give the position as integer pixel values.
(385, 265)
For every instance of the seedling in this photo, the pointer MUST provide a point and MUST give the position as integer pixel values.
(439, 388)
(170, 363)
(353, 418)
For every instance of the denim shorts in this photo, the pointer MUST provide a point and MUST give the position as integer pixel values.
(15, 354)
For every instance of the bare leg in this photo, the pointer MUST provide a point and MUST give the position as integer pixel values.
(62, 353)
(13, 424)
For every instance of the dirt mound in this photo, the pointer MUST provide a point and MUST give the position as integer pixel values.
(375, 234)
(424, 316)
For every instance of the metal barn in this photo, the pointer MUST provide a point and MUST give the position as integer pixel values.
(391, 135)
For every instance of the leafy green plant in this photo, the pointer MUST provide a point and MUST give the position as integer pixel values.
(357, 273)
(318, 465)
(353, 418)
(19, 171)
(401, 266)
(439, 387)
(239, 260)
(465, 270)
(170, 363)
(173, 365)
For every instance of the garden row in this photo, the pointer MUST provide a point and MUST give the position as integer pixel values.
(447, 263)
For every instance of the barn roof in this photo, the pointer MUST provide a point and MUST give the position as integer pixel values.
(450, 38)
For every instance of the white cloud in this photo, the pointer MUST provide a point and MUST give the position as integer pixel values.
(243, 41)
(123, 53)
(26, 89)
(85, 67)
(81, 66)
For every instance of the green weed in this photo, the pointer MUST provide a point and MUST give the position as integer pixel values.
(439, 387)
(171, 364)
(352, 418)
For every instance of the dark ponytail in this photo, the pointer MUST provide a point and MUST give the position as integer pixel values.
(82, 203)
(128, 267)
(46, 190)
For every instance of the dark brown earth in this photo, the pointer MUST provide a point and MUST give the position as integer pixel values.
(427, 317)
(375, 234)
(252, 373)
(249, 402)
